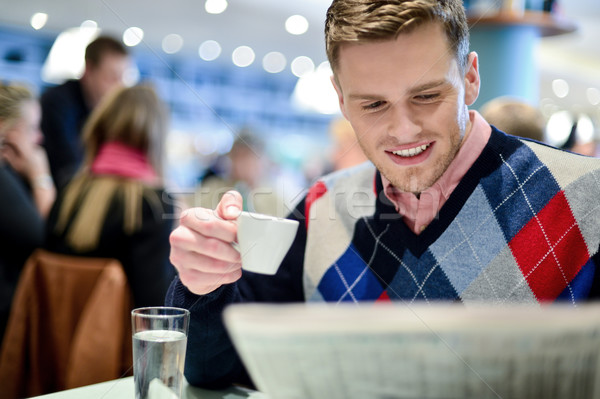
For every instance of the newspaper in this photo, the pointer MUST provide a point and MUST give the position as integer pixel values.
(310, 351)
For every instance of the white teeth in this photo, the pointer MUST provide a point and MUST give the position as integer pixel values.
(411, 152)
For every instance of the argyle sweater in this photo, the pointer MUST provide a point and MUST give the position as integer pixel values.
(523, 225)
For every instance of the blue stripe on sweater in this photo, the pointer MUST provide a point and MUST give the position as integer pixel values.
(581, 284)
(352, 282)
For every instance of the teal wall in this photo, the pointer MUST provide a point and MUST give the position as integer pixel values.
(506, 62)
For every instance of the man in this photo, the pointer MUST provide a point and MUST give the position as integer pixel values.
(452, 210)
(66, 107)
(244, 173)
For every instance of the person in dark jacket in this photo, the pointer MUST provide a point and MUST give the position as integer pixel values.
(116, 206)
(66, 107)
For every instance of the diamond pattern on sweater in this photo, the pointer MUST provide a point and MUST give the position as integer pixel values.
(459, 249)
(585, 211)
(516, 200)
(516, 238)
(550, 249)
(420, 278)
(351, 283)
(581, 285)
(501, 282)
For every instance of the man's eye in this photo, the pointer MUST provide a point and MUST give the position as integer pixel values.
(374, 105)
(427, 97)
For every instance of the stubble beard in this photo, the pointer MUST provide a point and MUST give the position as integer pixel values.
(416, 179)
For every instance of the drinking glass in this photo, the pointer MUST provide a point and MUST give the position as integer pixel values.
(159, 344)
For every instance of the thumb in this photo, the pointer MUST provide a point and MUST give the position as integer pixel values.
(230, 205)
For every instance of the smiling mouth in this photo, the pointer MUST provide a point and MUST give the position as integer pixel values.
(411, 152)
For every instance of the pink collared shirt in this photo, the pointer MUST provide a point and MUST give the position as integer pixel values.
(419, 212)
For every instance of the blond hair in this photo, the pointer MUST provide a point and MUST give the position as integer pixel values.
(360, 21)
(132, 116)
(12, 98)
(515, 117)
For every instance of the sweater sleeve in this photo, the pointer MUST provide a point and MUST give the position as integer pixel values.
(211, 360)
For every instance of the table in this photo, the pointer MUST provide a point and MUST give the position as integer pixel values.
(123, 389)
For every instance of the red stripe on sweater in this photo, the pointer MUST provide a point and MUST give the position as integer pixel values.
(550, 250)
(384, 297)
(314, 193)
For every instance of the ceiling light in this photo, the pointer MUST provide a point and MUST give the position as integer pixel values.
(215, 6)
(302, 65)
(314, 92)
(66, 57)
(585, 129)
(89, 24)
(38, 20)
(296, 25)
(593, 95)
(274, 62)
(172, 43)
(209, 50)
(243, 56)
(133, 36)
(558, 128)
(560, 87)
(131, 76)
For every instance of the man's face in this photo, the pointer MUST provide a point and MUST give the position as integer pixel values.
(106, 76)
(407, 102)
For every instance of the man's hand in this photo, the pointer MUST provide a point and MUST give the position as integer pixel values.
(201, 249)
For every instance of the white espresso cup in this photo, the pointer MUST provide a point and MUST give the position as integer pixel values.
(263, 241)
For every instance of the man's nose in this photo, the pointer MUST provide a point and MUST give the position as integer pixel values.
(402, 121)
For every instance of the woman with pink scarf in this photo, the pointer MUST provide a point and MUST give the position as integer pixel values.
(116, 205)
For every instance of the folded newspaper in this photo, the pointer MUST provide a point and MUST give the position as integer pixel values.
(367, 351)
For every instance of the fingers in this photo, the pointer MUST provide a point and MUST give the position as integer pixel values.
(27, 160)
(201, 283)
(11, 154)
(203, 263)
(201, 248)
(230, 206)
(11, 146)
(207, 223)
(187, 240)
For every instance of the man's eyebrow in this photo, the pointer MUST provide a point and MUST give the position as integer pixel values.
(412, 90)
(358, 96)
(428, 86)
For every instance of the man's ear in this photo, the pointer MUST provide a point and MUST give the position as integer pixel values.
(339, 94)
(472, 82)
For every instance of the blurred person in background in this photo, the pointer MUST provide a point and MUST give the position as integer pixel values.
(245, 172)
(116, 205)
(346, 150)
(27, 191)
(66, 107)
(515, 117)
(580, 143)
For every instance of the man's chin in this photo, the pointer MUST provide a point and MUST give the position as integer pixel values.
(410, 183)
